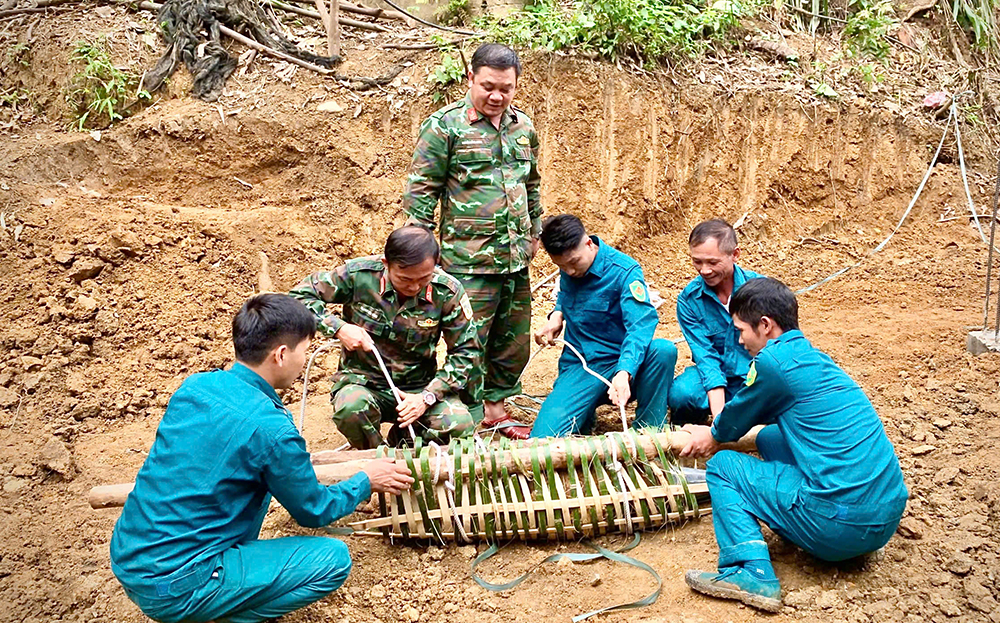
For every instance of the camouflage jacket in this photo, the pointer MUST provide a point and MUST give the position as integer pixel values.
(405, 331)
(487, 182)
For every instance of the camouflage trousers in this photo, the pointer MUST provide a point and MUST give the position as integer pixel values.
(358, 411)
(501, 310)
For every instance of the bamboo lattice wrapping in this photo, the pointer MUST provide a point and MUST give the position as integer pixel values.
(597, 485)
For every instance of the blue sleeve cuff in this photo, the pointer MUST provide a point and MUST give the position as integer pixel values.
(363, 485)
(629, 365)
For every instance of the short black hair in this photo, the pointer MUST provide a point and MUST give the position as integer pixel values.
(411, 245)
(562, 233)
(496, 56)
(266, 321)
(769, 297)
(715, 228)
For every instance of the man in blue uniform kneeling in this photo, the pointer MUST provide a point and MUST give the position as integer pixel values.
(720, 361)
(829, 480)
(186, 546)
(604, 304)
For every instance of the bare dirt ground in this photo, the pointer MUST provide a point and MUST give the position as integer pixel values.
(124, 259)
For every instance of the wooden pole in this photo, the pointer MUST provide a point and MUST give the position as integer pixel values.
(331, 469)
(333, 34)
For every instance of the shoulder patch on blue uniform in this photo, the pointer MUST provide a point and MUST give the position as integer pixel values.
(752, 373)
(638, 291)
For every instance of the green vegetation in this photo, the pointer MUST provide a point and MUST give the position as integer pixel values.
(979, 19)
(18, 54)
(455, 13)
(447, 73)
(100, 94)
(646, 30)
(868, 26)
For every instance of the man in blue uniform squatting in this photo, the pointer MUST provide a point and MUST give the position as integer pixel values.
(186, 546)
(604, 304)
(720, 362)
(829, 480)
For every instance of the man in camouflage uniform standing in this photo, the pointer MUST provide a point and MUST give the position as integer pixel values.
(479, 158)
(401, 304)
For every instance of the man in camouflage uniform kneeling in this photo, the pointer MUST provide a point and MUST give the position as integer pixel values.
(401, 304)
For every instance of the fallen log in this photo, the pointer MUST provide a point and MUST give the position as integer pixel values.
(336, 467)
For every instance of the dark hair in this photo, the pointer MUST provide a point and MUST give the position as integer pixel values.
(718, 229)
(562, 233)
(266, 321)
(496, 56)
(411, 245)
(769, 297)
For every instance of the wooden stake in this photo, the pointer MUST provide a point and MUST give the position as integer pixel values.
(333, 33)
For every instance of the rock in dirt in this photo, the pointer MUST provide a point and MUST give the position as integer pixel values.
(959, 565)
(922, 450)
(945, 476)
(330, 106)
(942, 423)
(30, 363)
(450, 608)
(412, 614)
(32, 381)
(14, 485)
(86, 304)
(63, 255)
(105, 322)
(911, 528)
(8, 397)
(799, 599)
(828, 600)
(128, 244)
(86, 269)
(55, 457)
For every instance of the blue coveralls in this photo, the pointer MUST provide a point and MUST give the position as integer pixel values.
(185, 547)
(829, 480)
(608, 317)
(719, 358)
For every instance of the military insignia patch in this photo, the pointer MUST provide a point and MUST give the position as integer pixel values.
(523, 141)
(752, 373)
(466, 307)
(427, 323)
(638, 291)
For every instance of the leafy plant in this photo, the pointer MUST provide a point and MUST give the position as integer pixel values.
(646, 30)
(100, 92)
(19, 53)
(455, 13)
(825, 90)
(868, 26)
(449, 71)
(979, 19)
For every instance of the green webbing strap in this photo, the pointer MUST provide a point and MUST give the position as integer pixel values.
(600, 552)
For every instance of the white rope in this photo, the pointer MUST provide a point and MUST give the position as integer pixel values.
(305, 383)
(621, 407)
(449, 486)
(965, 177)
(616, 466)
(388, 377)
(398, 395)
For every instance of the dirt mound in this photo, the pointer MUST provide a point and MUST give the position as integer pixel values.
(125, 258)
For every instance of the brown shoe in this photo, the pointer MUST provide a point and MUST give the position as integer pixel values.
(508, 427)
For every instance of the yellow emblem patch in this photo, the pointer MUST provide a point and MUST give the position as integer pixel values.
(466, 307)
(427, 323)
(523, 141)
(752, 373)
(638, 291)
